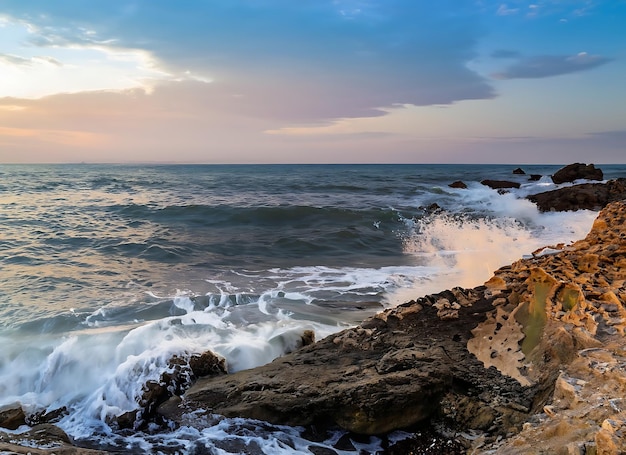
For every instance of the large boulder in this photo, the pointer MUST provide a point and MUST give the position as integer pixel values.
(479, 359)
(12, 416)
(45, 439)
(586, 196)
(389, 373)
(577, 171)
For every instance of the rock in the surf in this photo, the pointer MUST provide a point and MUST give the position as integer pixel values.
(589, 196)
(499, 184)
(542, 338)
(577, 171)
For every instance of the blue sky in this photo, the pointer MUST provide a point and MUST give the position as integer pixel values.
(229, 81)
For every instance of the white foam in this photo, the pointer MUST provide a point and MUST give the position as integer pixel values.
(495, 231)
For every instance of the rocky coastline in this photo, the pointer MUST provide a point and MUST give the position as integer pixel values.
(533, 361)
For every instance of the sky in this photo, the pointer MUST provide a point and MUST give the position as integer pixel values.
(313, 81)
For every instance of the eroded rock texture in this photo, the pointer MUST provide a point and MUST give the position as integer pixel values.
(577, 171)
(539, 348)
(590, 196)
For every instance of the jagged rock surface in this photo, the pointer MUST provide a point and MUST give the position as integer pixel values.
(495, 358)
(577, 171)
(43, 439)
(590, 196)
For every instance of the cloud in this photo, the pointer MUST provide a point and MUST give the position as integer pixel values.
(504, 10)
(14, 60)
(305, 61)
(551, 65)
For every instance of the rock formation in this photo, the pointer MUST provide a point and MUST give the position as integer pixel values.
(591, 196)
(522, 354)
(499, 184)
(577, 171)
(43, 439)
(533, 361)
(458, 184)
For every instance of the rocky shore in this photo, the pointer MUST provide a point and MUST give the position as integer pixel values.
(533, 361)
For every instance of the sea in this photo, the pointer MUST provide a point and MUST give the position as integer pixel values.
(107, 271)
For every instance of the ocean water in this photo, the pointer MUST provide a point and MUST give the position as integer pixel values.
(107, 271)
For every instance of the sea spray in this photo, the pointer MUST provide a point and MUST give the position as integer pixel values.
(109, 271)
(468, 247)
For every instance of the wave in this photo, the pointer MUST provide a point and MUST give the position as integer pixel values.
(277, 215)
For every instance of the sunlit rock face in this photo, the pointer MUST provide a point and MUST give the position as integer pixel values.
(583, 291)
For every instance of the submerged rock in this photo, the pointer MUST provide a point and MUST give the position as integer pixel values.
(458, 184)
(543, 337)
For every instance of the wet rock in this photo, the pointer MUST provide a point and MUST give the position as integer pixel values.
(499, 184)
(534, 360)
(586, 196)
(179, 376)
(519, 171)
(577, 171)
(535, 177)
(12, 416)
(458, 184)
(42, 439)
(46, 416)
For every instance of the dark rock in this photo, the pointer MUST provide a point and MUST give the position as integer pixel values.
(179, 377)
(45, 439)
(535, 177)
(46, 416)
(499, 184)
(458, 184)
(208, 364)
(519, 171)
(577, 171)
(433, 208)
(589, 196)
(12, 417)
(308, 337)
(426, 441)
(483, 359)
(369, 380)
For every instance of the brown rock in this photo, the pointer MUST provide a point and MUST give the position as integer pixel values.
(543, 334)
(499, 184)
(42, 439)
(519, 171)
(12, 417)
(182, 372)
(590, 196)
(458, 184)
(577, 171)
